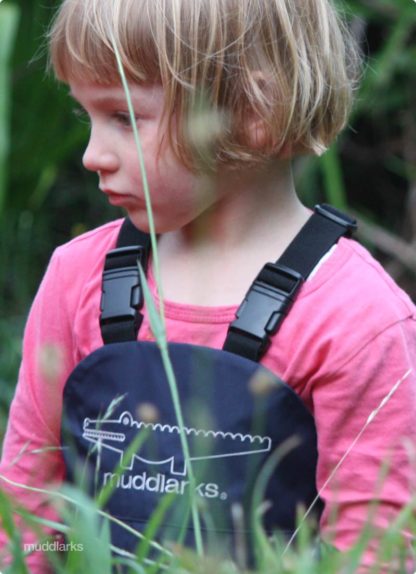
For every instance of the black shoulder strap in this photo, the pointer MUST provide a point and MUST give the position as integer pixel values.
(122, 296)
(275, 288)
(266, 304)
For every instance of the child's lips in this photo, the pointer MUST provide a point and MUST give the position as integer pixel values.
(115, 198)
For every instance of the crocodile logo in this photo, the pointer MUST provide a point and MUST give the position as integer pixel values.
(113, 435)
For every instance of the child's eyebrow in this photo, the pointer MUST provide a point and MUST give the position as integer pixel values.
(109, 100)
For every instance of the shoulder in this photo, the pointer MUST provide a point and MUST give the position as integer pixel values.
(357, 299)
(84, 255)
(350, 308)
(351, 282)
(90, 245)
(68, 299)
(78, 263)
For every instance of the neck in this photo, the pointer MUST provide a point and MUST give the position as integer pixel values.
(213, 260)
(252, 204)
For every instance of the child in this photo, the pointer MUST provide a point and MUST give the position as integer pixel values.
(274, 80)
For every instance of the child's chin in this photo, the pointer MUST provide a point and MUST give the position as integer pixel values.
(161, 223)
(141, 221)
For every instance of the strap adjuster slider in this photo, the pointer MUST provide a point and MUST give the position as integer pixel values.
(122, 294)
(267, 303)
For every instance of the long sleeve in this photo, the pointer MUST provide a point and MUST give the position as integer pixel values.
(62, 329)
(31, 454)
(377, 478)
(350, 337)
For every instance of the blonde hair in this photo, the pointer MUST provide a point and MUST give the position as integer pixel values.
(291, 64)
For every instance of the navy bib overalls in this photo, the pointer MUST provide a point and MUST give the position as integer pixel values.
(248, 433)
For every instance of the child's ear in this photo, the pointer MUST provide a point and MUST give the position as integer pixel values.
(257, 130)
(259, 133)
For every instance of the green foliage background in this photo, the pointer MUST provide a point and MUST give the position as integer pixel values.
(46, 197)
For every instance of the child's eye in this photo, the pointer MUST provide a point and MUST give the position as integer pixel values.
(123, 118)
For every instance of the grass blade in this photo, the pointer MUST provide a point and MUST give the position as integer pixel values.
(369, 420)
(159, 332)
(158, 321)
(137, 141)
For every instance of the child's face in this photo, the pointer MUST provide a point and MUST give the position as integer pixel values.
(177, 194)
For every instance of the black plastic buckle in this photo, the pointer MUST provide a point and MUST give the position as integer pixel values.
(122, 294)
(338, 217)
(265, 305)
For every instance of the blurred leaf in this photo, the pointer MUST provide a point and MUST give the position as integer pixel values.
(9, 17)
(89, 532)
(15, 547)
(384, 65)
(333, 180)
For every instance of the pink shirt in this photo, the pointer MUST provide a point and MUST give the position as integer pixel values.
(348, 339)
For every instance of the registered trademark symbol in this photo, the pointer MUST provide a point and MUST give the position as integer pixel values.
(224, 495)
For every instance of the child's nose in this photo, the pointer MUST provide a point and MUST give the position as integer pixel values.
(98, 157)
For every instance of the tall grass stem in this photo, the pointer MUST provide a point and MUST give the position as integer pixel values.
(171, 378)
(161, 330)
(370, 419)
(147, 195)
